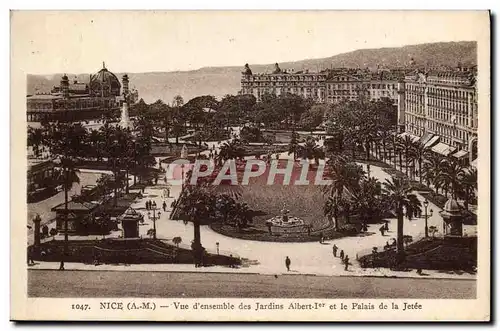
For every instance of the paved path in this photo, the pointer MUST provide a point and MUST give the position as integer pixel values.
(268, 257)
(195, 285)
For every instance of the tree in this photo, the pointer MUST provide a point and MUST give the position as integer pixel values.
(151, 233)
(197, 205)
(177, 241)
(231, 150)
(432, 167)
(225, 205)
(451, 176)
(293, 146)
(433, 230)
(178, 101)
(313, 117)
(468, 179)
(36, 139)
(405, 146)
(418, 153)
(398, 195)
(310, 151)
(407, 240)
(66, 143)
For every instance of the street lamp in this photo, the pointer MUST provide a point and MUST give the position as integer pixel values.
(154, 217)
(426, 216)
(217, 244)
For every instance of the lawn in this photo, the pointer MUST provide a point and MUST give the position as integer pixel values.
(266, 201)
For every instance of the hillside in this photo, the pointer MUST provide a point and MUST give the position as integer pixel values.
(219, 81)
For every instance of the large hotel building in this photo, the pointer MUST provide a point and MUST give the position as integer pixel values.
(440, 109)
(327, 86)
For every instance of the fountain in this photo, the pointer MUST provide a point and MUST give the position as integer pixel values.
(125, 119)
(286, 221)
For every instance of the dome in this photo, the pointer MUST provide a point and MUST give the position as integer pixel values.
(451, 206)
(105, 83)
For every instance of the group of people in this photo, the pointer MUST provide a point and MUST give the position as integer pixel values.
(344, 258)
(149, 205)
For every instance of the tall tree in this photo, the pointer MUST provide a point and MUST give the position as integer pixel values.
(400, 197)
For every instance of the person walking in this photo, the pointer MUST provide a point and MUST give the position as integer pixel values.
(382, 230)
(164, 206)
(334, 249)
(386, 226)
(346, 262)
(321, 237)
(287, 263)
(341, 255)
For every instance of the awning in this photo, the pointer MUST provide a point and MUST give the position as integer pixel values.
(443, 149)
(460, 154)
(432, 141)
(425, 138)
(414, 138)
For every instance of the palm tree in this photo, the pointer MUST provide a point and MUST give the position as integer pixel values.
(433, 164)
(197, 205)
(405, 146)
(418, 153)
(451, 176)
(70, 176)
(469, 183)
(399, 195)
(310, 151)
(231, 150)
(293, 146)
(36, 139)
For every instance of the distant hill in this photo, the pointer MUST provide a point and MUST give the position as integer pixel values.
(219, 81)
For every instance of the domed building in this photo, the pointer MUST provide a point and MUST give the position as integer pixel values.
(105, 83)
(73, 100)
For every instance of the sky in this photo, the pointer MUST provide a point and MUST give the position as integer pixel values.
(131, 41)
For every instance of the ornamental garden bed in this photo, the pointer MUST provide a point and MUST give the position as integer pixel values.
(446, 254)
(128, 251)
(267, 201)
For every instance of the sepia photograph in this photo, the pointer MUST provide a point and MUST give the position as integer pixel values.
(251, 157)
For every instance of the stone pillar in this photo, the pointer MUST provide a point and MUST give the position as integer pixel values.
(36, 229)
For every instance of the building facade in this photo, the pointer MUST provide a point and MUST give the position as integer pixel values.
(303, 83)
(441, 107)
(327, 86)
(71, 101)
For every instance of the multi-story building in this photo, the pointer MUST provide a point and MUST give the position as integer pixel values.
(303, 83)
(327, 86)
(440, 107)
(77, 100)
(372, 86)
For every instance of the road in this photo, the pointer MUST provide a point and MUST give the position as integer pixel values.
(53, 283)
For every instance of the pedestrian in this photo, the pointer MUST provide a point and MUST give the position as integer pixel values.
(341, 255)
(164, 206)
(346, 262)
(386, 227)
(382, 230)
(287, 263)
(334, 249)
(147, 205)
(321, 237)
